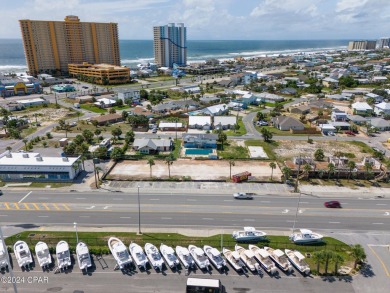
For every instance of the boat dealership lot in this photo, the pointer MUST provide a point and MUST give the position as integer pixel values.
(194, 169)
(103, 273)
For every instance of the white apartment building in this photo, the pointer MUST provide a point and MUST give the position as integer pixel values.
(170, 45)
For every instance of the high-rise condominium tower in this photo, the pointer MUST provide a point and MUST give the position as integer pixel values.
(51, 45)
(170, 45)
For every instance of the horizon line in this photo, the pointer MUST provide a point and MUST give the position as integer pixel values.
(232, 39)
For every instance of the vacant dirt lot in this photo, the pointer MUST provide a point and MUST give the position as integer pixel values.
(197, 170)
(290, 149)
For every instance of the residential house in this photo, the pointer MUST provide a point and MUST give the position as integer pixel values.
(341, 125)
(33, 102)
(379, 79)
(320, 105)
(377, 98)
(380, 124)
(302, 110)
(108, 119)
(330, 82)
(204, 141)
(362, 108)
(225, 122)
(338, 115)
(216, 110)
(382, 108)
(165, 107)
(327, 128)
(356, 119)
(247, 99)
(286, 123)
(171, 126)
(210, 100)
(152, 146)
(199, 122)
(288, 91)
(128, 93)
(105, 103)
(138, 111)
(269, 98)
(337, 97)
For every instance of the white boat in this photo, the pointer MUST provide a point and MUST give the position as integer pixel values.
(185, 257)
(169, 255)
(248, 258)
(83, 256)
(199, 257)
(215, 257)
(305, 236)
(3, 257)
(298, 260)
(23, 254)
(138, 255)
(233, 259)
(43, 254)
(279, 258)
(63, 255)
(154, 256)
(120, 253)
(249, 234)
(262, 257)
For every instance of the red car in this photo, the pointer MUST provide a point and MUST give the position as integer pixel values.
(332, 204)
(350, 133)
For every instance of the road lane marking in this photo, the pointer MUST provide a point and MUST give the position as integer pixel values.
(285, 211)
(377, 223)
(304, 202)
(90, 208)
(36, 206)
(208, 219)
(6, 205)
(154, 199)
(166, 218)
(191, 200)
(125, 217)
(46, 207)
(3, 215)
(25, 197)
(117, 199)
(265, 201)
(66, 207)
(80, 198)
(26, 206)
(290, 221)
(249, 220)
(106, 207)
(84, 216)
(43, 216)
(56, 206)
(380, 260)
(227, 200)
(334, 222)
(43, 197)
(16, 206)
(381, 204)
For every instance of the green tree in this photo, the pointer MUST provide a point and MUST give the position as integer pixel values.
(25, 144)
(367, 168)
(49, 135)
(260, 116)
(97, 132)
(267, 134)
(351, 165)
(358, 253)
(116, 132)
(116, 154)
(169, 161)
(337, 260)
(286, 172)
(101, 153)
(129, 137)
(307, 169)
(222, 138)
(95, 123)
(319, 155)
(272, 165)
(319, 258)
(328, 255)
(79, 114)
(151, 163)
(125, 114)
(331, 169)
(88, 135)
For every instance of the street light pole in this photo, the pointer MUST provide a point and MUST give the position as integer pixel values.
(139, 213)
(77, 235)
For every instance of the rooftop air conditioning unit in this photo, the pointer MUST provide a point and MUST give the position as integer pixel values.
(65, 159)
(25, 156)
(39, 159)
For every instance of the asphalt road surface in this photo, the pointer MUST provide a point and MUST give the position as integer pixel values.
(192, 210)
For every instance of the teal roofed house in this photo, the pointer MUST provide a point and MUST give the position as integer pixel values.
(63, 88)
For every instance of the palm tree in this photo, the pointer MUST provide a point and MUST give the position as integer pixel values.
(306, 169)
(351, 165)
(151, 163)
(25, 144)
(287, 172)
(169, 162)
(338, 260)
(358, 253)
(319, 258)
(331, 169)
(368, 168)
(97, 170)
(328, 256)
(272, 165)
(231, 163)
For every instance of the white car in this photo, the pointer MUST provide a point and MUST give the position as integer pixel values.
(242, 195)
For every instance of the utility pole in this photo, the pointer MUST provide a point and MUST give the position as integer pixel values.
(299, 169)
(139, 213)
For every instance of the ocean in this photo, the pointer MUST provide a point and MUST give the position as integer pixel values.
(134, 52)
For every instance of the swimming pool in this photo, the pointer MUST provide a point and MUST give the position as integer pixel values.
(198, 152)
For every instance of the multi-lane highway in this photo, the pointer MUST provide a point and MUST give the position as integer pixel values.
(191, 210)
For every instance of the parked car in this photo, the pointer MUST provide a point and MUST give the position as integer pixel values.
(262, 123)
(332, 204)
(350, 133)
(242, 195)
(154, 130)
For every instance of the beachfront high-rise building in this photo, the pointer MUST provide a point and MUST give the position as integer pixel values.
(51, 45)
(383, 43)
(361, 45)
(170, 45)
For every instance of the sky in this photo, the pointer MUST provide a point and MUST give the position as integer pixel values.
(215, 19)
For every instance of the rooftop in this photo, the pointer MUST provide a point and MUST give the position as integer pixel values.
(33, 159)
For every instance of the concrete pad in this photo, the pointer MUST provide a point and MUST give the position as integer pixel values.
(257, 152)
(195, 169)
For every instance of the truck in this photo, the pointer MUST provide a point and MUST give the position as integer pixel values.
(237, 178)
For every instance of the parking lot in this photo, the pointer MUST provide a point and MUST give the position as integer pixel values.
(103, 278)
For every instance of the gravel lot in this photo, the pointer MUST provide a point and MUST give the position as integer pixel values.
(197, 170)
